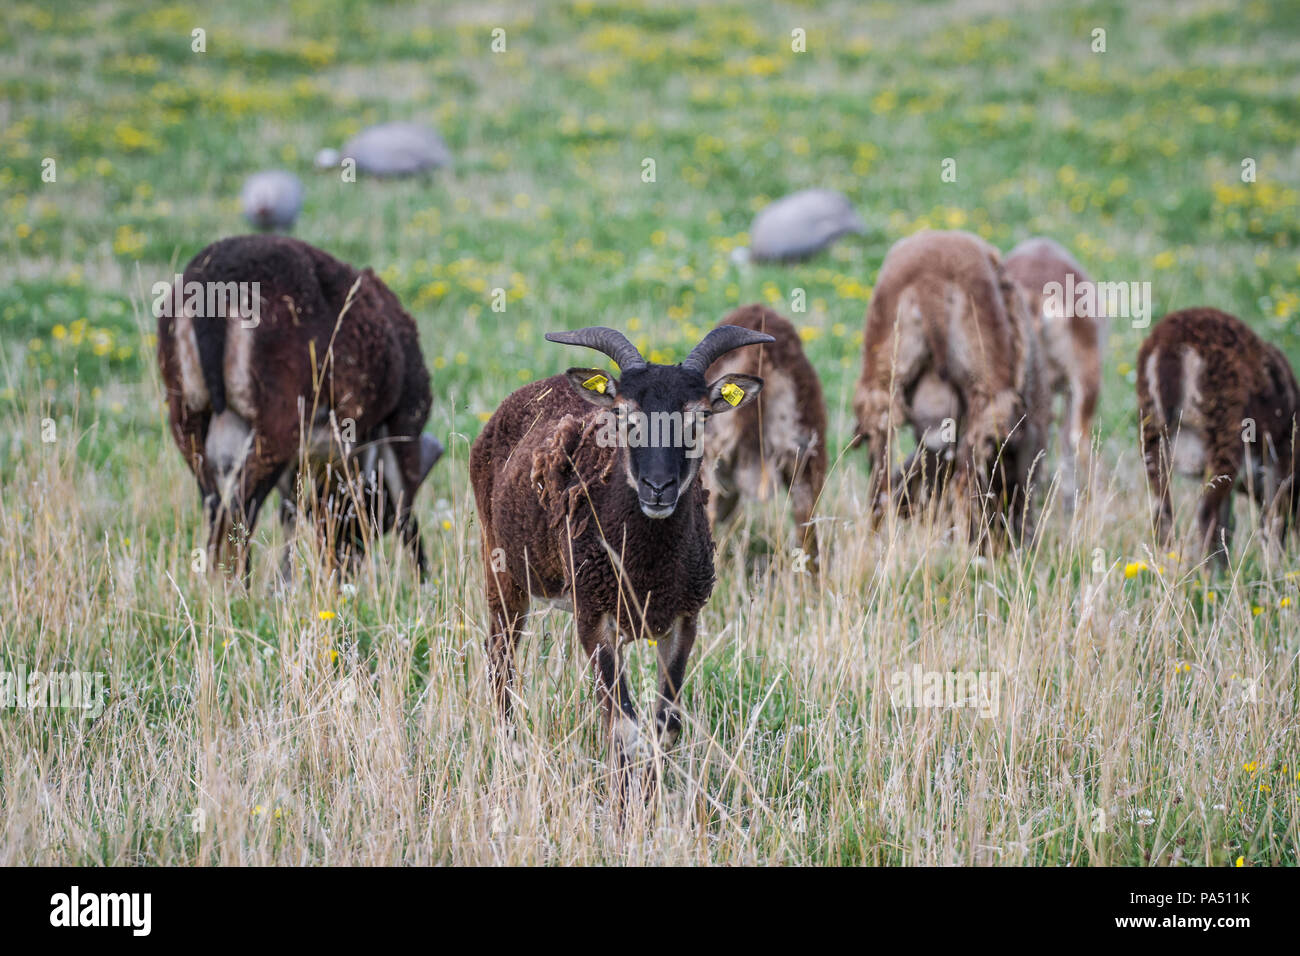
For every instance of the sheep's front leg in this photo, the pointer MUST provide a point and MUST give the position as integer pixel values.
(230, 526)
(673, 652)
(410, 532)
(507, 604)
(287, 488)
(879, 411)
(599, 636)
(803, 498)
(250, 509)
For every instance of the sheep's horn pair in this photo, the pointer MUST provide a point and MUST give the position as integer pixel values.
(615, 344)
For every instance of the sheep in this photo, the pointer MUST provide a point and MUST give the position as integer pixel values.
(780, 437)
(578, 504)
(271, 200)
(801, 225)
(1072, 339)
(1214, 400)
(266, 344)
(391, 149)
(949, 348)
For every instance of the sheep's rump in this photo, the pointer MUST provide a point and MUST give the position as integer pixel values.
(272, 317)
(942, 326)
(1072, 337)
(785, 427)
(1202, 375)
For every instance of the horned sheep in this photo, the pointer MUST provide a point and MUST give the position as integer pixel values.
(581, 511)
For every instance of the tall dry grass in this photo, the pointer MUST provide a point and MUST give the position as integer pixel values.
(246, 727)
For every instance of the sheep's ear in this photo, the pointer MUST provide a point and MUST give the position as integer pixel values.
(599, 388)
(430, 451)
(733, 391)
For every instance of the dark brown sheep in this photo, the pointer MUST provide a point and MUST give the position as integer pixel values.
(950, 349)
(1072, 340)
(779, 438)
(1218, 403)
(275, 355)
(578, 511)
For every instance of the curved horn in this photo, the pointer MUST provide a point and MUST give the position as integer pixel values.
(719, 342)
(610, 341)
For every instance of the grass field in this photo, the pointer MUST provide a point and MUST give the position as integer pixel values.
(1148, 711)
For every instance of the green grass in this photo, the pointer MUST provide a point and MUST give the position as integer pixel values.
(230, 702)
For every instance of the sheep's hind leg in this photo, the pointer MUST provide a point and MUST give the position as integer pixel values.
(1155, 455)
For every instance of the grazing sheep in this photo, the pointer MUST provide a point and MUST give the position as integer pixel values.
(802, 224)
(580, 504)
(271, 200)
(273, 354)
(950, 349)
(1212, 398)
(1072, 340)
(779, 438)
(391, 149)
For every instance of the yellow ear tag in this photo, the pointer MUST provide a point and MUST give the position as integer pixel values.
(732, 393)
(597, 384)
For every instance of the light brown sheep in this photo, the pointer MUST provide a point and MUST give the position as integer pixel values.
(950, 349)
(779, 440)
(1073, 335)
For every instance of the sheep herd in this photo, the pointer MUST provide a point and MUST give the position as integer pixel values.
(602, 492)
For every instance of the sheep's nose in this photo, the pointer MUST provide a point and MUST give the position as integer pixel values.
(658, 490)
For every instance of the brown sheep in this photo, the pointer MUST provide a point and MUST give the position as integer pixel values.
(780, 437)
(273, 354)
(949, 348)
(1072, 341)
(576, 510)
(1212, 398)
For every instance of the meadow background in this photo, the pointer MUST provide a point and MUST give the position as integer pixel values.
(1148, 712)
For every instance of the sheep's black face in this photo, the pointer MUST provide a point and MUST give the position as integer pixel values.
(657, 415)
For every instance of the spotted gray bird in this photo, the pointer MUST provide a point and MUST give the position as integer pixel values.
(391, 149)
(271, 200)
(802, 224)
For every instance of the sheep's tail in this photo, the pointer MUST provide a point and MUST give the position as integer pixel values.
(210, 337)
(1169, 384)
